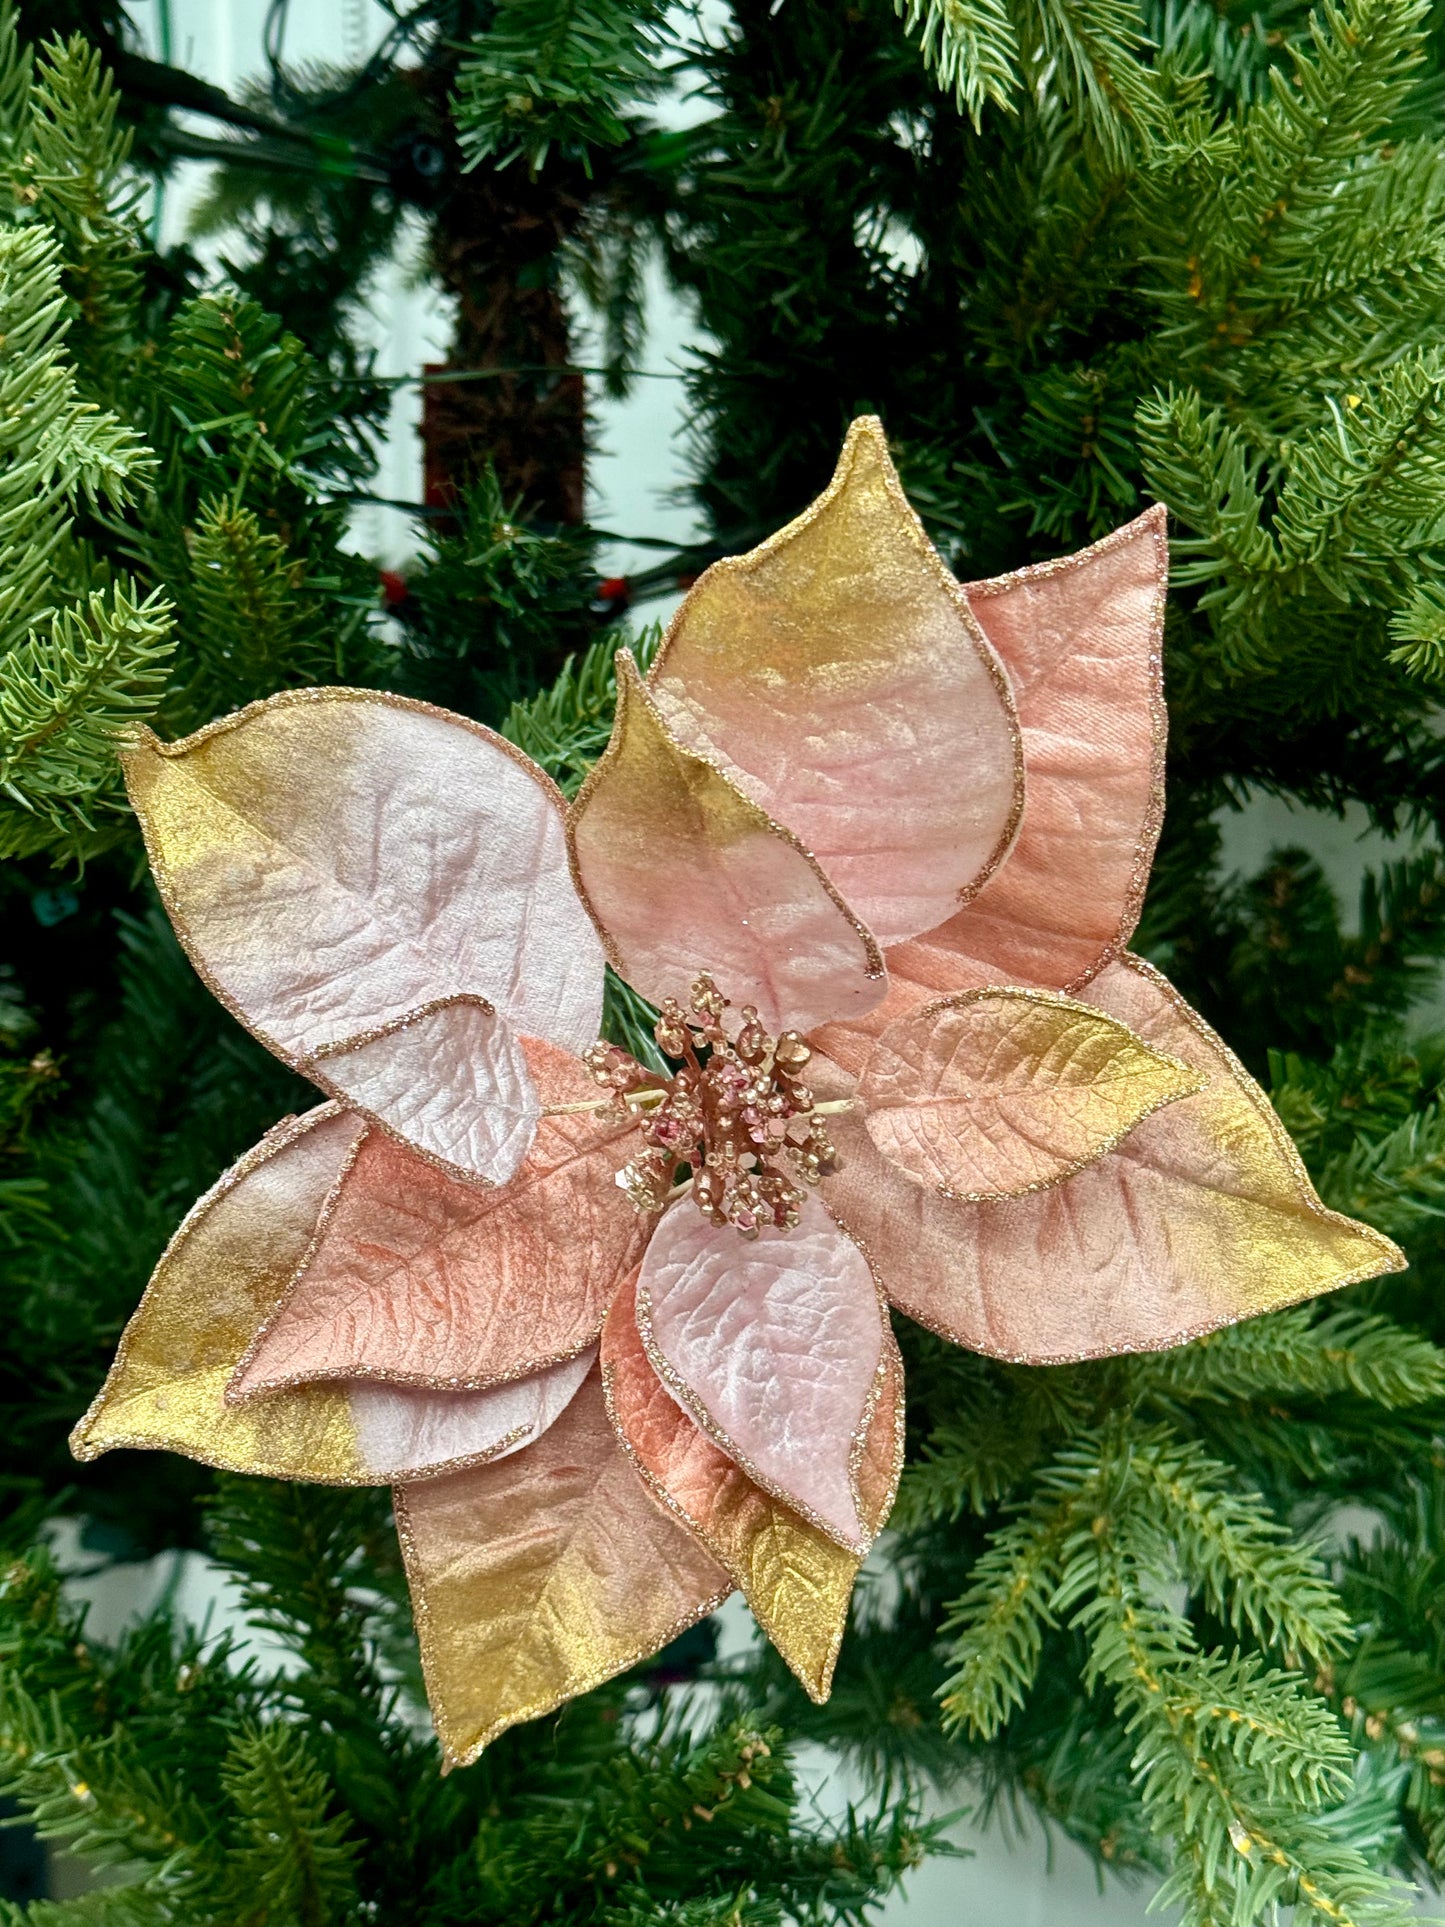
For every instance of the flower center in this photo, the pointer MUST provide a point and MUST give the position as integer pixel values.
(735, 1116)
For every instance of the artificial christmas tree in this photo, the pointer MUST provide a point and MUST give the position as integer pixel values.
(1183, 253)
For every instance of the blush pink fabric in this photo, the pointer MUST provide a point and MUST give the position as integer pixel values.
(840, 677)
(685, 874)
(418, 1279)
(453, 1082)
(405, 1434)
(773, 1346)
(993, 1093)
(336, 860)
(1200, 1217)
(1080, 638)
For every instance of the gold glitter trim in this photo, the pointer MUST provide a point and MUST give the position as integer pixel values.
(705, 1423)
(453, 1756)
(630, 687)
(1192, 1082)
(870, 428)
(1155, 520)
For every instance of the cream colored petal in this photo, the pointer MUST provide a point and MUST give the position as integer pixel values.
(1202, 1216)
(359, 878)
(775, 1347)
(224, 1270)
(995, 1093)
(684, 873)
(407, 1434)
(539, 1576)
(840, 677)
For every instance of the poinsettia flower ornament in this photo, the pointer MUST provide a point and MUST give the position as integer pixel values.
(873, 843)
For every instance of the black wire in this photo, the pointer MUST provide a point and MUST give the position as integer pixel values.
(405, 31)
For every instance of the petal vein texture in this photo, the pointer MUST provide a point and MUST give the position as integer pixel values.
(775, 1348)
(360, 879)
(684, 873)
(1202, 1216)
(995, 1093)
(417, 1279)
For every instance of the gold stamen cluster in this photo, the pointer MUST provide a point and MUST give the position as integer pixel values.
(735, 1115)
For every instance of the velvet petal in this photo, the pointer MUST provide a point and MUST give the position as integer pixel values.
(1202, 1216)
(839, 676)
(417, 1279)
(994, 1093)
(405, 1434)
(350, 869)
(537, 1577)
(775, 1348)
(1080, 637)
(452, 1081)
(685, 873)
(219, 1277)
(796, 1579)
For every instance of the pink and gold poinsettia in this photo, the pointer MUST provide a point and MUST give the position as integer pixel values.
(873, 843)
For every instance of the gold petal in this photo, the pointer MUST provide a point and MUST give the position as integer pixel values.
(995, 1093)
(839, 674)
(684, 873)
(220, 1276)
(536, 1578)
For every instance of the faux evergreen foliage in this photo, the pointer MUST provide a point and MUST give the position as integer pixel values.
(1078, 255)
(80, 654)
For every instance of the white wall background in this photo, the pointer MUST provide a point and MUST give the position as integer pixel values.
(637, 469)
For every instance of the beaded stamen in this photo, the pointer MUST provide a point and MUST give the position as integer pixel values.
(735, 1116)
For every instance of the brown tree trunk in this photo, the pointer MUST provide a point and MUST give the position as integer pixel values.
(495, 242)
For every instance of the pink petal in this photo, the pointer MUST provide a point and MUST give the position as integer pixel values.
(402, 1434)
(994, 1093)
(839, 676)
(537, 1578)
(336, 861)
(1202, 1216)
(774, 1348)
(1080, 638)
(684, 873)
(417, 1279)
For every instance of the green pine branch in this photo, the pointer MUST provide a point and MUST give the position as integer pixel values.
(560, 74)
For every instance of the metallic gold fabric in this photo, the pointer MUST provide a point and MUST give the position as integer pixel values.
(995, 1093)
(223, 1272)
(540, 1576)
(686, 874)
